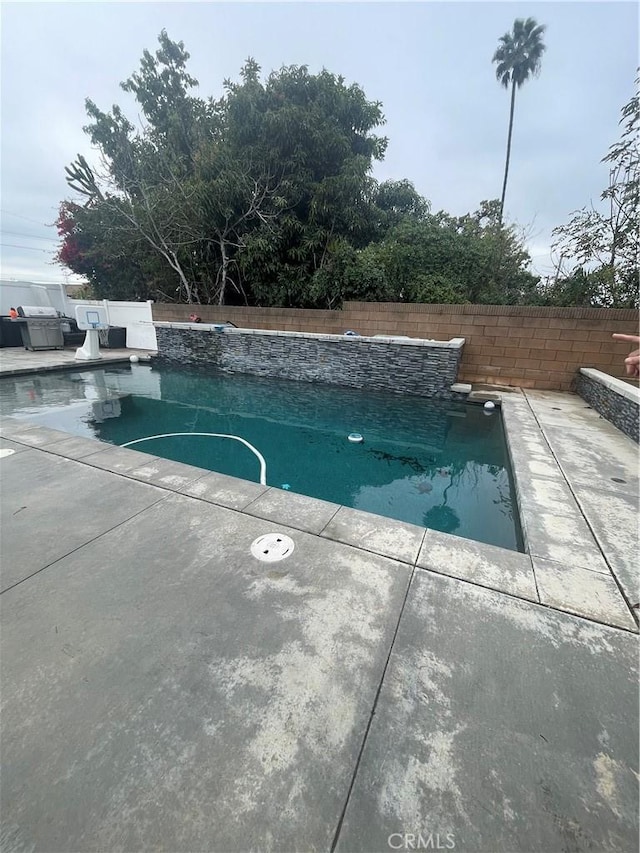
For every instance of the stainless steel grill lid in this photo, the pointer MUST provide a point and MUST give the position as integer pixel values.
(46, 312)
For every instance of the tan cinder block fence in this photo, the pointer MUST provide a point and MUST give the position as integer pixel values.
(505, 345)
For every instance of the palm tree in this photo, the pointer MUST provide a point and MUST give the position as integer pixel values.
(517, 58)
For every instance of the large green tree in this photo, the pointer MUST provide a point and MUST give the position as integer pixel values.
(242, 198)
(518, 57)
(320, 133)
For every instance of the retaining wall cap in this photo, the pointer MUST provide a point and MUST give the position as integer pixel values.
(454, 343)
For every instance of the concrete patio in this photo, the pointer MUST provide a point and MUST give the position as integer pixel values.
(384, 687)
(15, 361)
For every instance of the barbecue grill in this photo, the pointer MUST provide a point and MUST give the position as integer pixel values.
(40, 326)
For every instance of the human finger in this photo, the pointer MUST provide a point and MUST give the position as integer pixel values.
(634, 339)
(632, 364)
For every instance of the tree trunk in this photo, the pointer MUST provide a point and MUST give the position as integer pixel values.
(506, 165)
(185, 284)
(225, 264)
(174, 263)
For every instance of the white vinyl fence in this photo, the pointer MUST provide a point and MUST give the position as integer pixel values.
(134, 316)
(14, 293)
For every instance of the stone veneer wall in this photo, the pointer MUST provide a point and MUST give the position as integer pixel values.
(523, 346)
(616, 401)
(423, 368)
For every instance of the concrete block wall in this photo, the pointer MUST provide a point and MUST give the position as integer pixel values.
(277, 319)
(426, 369)
(505, 345)
(523, 346)
(614, 400)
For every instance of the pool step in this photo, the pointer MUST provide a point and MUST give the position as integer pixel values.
(484, 397)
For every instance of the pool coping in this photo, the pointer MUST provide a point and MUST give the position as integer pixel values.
(404, 340)
(533, 576)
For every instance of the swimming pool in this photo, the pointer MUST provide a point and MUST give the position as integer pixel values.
(437, 464)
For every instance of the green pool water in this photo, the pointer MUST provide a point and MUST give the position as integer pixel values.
(437, 464)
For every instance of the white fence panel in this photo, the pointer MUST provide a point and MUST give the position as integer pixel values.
(15, 293)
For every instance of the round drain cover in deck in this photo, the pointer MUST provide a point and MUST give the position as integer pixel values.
(272, 547)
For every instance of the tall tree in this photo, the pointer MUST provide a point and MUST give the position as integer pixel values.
(319, 133)
(518, 57)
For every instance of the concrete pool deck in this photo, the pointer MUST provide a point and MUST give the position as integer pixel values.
(16, 361)
(383, 687)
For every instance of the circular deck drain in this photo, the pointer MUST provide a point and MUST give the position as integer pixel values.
(272, 547)
(6, 451)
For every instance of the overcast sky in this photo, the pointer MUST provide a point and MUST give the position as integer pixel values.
(428, 63)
